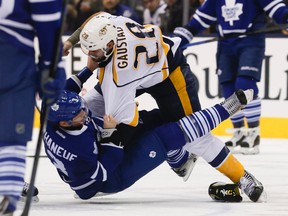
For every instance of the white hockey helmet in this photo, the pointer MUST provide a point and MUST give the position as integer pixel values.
(96, 34)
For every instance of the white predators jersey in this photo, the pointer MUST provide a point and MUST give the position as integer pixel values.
(139, 61)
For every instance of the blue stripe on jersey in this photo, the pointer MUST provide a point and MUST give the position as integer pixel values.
(220, 157)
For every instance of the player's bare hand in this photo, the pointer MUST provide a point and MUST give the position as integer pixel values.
(109, 122)
(66, 48)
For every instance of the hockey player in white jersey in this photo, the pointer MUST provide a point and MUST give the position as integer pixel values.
(90, 158)
(131, 59)
(239, 57)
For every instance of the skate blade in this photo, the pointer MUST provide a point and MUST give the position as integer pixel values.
(235, 150)
(35, 199)
(263, 197)
(250, 151)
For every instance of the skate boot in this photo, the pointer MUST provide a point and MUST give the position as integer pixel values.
(252, 188)
(234, 144)
(250, 144)
(25, 192)
(4, 209)
(185, 170)
(238, 100)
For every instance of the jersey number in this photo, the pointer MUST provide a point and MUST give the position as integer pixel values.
(142, 33)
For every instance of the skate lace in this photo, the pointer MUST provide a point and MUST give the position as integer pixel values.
(231, 104)
(25, 187)
(250, 135)
(237, 133)
(247, 184)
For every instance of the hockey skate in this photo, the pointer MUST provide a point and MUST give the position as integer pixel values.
(238, 100)
(4, 205)
(185, 170)
(234, 144)
(252, 188)
(23, 197)
(250, 144)
(220, 191)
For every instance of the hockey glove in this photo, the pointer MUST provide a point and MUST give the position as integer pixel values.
(110, 135)
(220, 191)
(50, 88)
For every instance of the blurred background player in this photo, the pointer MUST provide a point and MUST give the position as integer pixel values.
(239, 59)
(115, 7)
(153, 11)
(20, 79)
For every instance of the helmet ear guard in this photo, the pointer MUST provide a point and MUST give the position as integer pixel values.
(96, 34)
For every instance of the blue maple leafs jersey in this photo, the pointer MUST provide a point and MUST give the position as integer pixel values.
(75, 155)
(22, 20)
(237, 16)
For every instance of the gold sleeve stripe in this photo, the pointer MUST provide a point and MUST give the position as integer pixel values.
(101, 74)
(165, 70)
(179, 83)
(134, 122)
(115, 77)
(165, 46)
(232, 168)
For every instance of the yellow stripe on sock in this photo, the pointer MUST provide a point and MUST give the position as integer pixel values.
(269, 128)
(232, 168)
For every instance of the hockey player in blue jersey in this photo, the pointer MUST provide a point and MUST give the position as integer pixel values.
(20, 22)
(239, 59)
(89, 156)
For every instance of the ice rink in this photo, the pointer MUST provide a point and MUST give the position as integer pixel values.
(163, 193)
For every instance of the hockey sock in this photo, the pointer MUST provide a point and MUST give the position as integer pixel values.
(238, 119)
(12, 163)
(232, 168)
(252, 113)
(177, 157)
(202, 122)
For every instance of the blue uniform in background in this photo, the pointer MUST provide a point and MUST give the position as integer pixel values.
(126, 11)
(239, 59)
(20, 22)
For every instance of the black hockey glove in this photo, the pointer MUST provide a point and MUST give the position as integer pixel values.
(220, 191)
(110, 135)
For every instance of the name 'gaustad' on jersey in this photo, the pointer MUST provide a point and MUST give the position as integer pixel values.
(121, 51)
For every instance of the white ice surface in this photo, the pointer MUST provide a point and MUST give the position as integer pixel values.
(161, 192)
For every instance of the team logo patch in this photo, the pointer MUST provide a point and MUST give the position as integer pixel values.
(85, 36)
(103, 31)
(152, 154)
(231, 11)
(55, 107)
